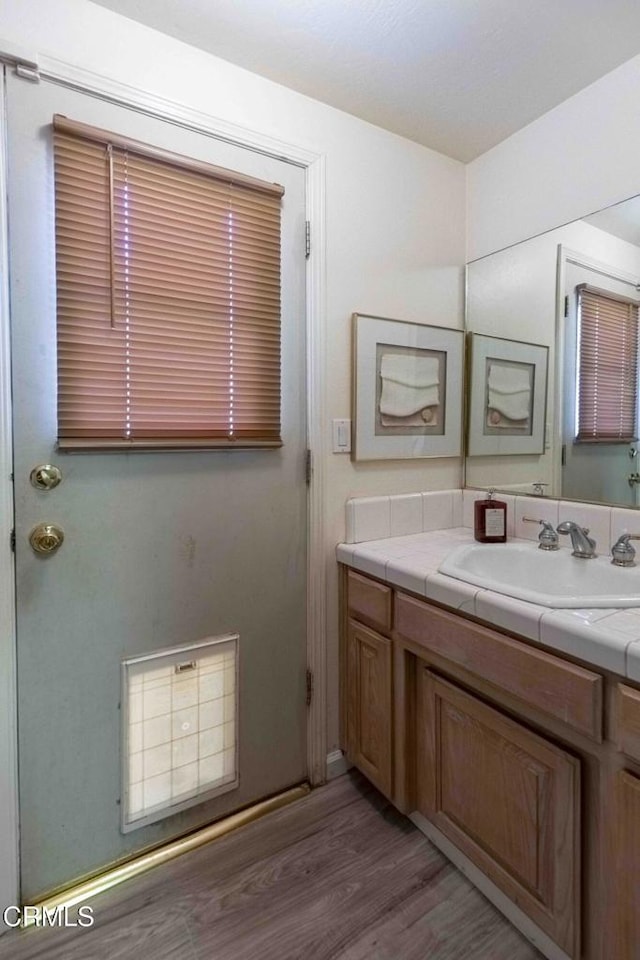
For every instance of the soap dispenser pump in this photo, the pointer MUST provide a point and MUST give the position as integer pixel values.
(490, 520)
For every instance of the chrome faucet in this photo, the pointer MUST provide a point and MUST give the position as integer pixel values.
(583, 546)
(547, 538)
(622, 553)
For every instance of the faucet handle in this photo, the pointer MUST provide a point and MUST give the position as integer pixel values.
(547, 538)
(622, 553)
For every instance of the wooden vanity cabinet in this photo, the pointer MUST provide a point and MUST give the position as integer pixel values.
(523, 764)
(508, 798)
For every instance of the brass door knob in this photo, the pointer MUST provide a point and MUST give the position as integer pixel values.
(46, 538)
(46, 476)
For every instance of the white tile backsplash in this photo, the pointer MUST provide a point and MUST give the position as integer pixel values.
(405, 514)
(437, 510)
(469, 498)
(372, 519)
(534, 508)
(378, 518)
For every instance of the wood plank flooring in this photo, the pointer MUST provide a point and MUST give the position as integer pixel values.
(339, 875)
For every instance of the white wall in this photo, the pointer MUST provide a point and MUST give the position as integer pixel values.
(395, 215)
(576, 159)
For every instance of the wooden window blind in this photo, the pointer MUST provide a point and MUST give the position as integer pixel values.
(607, 367)
(168, 298)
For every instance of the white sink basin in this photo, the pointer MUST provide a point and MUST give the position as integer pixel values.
(551, 578)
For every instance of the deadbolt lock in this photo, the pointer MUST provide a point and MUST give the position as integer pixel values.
(46, 476)
(46, 538)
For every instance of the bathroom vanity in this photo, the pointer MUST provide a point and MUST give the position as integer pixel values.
(521, 761)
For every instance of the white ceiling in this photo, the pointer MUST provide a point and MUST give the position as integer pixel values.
(455, 75)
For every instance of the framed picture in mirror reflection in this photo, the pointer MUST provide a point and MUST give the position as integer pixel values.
(507, 396)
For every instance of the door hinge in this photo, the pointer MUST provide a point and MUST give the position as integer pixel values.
(12, 541)
(308, 467)
(563, 455)
(309, 687)
(566, 306)
(307, 239)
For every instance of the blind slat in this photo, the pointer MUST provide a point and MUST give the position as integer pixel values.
(168, 291)
(607, 368)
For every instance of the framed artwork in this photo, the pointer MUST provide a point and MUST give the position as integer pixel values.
(507, 400)
(407, 389)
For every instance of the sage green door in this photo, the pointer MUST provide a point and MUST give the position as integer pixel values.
(160, 549)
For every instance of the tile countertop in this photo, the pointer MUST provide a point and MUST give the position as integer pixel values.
(606, 638)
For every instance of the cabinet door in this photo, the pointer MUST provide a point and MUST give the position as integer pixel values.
(369, 697)
(507, 798)
(627, 834)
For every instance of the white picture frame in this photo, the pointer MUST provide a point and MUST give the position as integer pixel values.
(507, 396)
(407, 389)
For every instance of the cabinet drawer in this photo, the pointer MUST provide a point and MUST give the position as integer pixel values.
(369, 601)
(507, 798)
(628, 720)
(562, 690)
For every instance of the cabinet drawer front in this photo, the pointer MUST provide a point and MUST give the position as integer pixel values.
(562, 690)
(508, 798)
(628, 720)
(369, 601)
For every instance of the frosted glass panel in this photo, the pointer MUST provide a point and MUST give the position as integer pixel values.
(180, 728)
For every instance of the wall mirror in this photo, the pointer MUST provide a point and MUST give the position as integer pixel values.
(571, 290)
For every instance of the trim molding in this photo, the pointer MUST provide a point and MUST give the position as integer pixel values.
(337, 764)
(9, 823)
(86, 890)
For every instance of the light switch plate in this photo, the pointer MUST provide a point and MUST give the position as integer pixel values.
(341, 436)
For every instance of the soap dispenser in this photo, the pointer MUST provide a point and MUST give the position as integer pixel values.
(490, 520)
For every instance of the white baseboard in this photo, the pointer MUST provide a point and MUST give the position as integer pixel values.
(337, 764)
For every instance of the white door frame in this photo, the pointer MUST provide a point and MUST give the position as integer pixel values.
(53, 70)
(9, 875)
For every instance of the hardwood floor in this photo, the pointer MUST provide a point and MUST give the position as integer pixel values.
(339, 875)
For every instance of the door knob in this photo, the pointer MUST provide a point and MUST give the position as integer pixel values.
(46, 538)
(46, 476)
